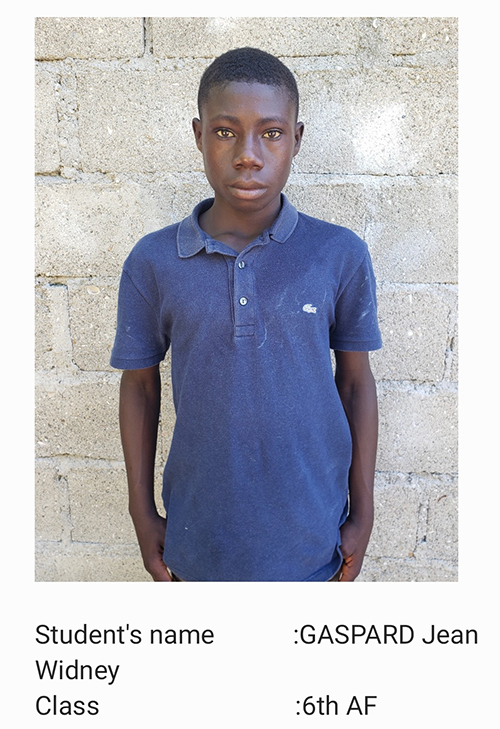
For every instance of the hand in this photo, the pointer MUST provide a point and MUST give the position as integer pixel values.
(151, 537)
(355, 536)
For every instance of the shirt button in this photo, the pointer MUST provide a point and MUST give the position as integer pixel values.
(241, 264)
(243, 301)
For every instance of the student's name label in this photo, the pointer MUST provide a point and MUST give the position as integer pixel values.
(58, 673)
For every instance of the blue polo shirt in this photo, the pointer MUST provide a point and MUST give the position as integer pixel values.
(256, 482)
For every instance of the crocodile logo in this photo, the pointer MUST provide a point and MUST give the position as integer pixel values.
(309, 308)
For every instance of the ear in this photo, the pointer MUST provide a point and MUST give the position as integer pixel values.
(299, 131)
(197, 132)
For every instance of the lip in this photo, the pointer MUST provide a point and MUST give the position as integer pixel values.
(249, 185)
(247, 190)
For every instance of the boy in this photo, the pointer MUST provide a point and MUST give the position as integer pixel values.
(270, 471)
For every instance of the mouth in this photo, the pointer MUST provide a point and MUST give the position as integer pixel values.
(247, 190)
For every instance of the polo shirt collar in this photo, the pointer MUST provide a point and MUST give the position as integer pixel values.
(191, 238)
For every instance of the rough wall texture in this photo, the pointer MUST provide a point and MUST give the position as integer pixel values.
(115, 160)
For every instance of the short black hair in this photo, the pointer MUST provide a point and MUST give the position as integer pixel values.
(248, 65)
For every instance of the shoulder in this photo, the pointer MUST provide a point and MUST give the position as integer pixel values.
(148, 260)
(334, 240)
(153, 247)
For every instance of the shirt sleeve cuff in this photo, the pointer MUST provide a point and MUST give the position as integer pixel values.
(344, 345)
(120, 363)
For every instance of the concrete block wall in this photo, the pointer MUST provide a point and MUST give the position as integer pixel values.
(115, 159)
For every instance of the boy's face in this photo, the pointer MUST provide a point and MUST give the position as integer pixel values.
(248, 135)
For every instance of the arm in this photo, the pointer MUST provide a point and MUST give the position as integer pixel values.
(139, 413)
(358, 394)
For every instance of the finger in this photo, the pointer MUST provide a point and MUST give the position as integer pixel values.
(161, 576)
(346, 577)
(348, 572)
(159, 571)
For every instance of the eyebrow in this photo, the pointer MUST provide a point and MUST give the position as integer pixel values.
(235, 119)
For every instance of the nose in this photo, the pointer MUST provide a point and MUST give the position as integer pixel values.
(248, 153)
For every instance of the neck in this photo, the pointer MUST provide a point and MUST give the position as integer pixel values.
(234, 228)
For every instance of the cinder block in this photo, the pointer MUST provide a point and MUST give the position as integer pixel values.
(380, 121)
(86, 229)
(133, 120)
(67, 110)
(43, 329)
(209, 37)
(51, 503)
(93, 323)
(171, 198)
(418, 428)
(454, 355)
(99, 505)
(409, 36)
(46, 143)
(98, 501)
(382, 569)
(78, 416)
(90, 563)
(396, 517)
(414, 326)
(104, 38)
(392, 121)
(411, 228)
(410, 224)
(331, 199)
(441, 529)
(52, 340)
(416, 517)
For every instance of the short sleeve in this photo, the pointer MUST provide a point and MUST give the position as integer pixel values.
(356, 326)
(139, 341)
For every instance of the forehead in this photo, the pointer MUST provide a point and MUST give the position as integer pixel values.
(242, 99)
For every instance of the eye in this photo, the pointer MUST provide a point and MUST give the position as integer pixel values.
(273, 134)
(224, 133)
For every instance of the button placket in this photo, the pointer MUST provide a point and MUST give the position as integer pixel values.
(244, 299)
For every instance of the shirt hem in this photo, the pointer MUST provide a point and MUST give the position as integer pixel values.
(323, 575)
